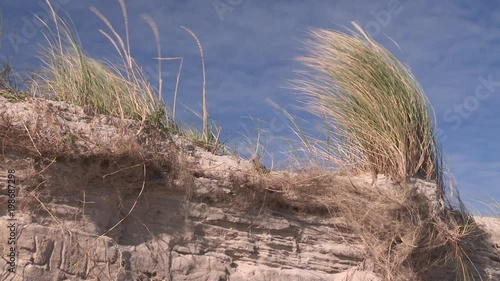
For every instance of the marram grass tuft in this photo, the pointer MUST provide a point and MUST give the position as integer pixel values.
(105, 88)
(375, 111)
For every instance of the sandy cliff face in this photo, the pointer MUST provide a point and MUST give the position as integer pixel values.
(91, 205)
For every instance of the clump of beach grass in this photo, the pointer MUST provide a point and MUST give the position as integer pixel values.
(377, 115)
(120, 90)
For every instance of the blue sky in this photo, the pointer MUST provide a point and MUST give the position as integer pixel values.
(250, 46)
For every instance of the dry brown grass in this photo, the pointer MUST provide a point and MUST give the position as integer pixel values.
(407, 235)
(41, 129)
